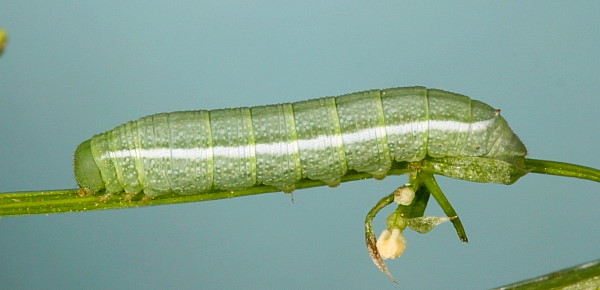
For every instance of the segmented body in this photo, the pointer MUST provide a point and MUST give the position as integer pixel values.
(232, 149)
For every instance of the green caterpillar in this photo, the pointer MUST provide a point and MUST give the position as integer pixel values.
(322, 139)
(205, 155)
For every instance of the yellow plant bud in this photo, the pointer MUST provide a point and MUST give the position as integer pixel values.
(391, 244)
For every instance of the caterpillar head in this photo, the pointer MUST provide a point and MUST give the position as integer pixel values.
(87, 172)
(503, 141)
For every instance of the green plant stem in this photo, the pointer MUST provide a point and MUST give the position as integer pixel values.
(441, 199)
(562, 169)
(62, 201)
(371, 239)
(584, 276)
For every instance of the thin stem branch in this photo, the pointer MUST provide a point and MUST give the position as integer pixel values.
(371, 239)
(441, 199)
(562, 169)
(584, 276)
(62, 201)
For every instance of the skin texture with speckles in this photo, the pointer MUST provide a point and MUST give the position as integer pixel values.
(193, 152)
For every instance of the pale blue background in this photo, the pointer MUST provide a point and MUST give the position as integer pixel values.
(76, 68)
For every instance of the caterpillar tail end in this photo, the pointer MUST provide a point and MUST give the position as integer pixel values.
(87, 172)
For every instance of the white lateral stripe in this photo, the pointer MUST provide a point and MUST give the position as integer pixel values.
(318, 143)
(451, 126)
